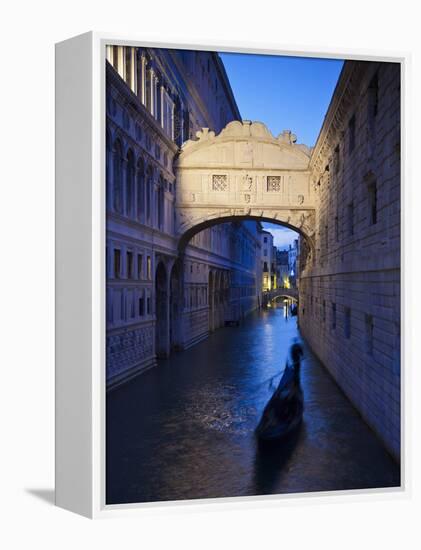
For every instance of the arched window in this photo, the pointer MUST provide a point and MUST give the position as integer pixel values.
(140, 183)
(149, 184)
(161, 204)
(130, 174)
(158, 106)
(141, 76)
(117, 176)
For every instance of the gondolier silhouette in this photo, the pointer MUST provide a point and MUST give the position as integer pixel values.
(284, 411)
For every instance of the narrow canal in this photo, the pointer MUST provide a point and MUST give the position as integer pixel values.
(185, 429)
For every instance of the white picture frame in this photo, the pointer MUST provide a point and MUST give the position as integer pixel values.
(80, 274)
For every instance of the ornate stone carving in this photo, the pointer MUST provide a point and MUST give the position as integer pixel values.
(248, 183)
(219, 182)
(204, 134)
(127, 349)
(287, 137)
(278, 179)
(274, 183)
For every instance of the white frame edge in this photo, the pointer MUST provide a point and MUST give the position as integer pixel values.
(80, 279)
(74, 320)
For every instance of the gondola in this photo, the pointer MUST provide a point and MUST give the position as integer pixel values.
(284, 411)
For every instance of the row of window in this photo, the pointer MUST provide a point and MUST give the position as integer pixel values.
(273, 183)
(220, 239)
(347, 324)
(372, 110)
(196, 297)
(265, 267)
(350, 215)
(127, 304)
(124, 305)
(148, 85)
(130, 189)
(200, 296)
(130, 265)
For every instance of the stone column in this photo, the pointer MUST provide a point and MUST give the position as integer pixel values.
(135, 192)
(123, 203)
(162, 105)
(155, 91)
(120, 62)
(152, 91)
(143, 80)
(181, 123)
(154, 204)
(133, 70)
(172, 120)
(109, 54)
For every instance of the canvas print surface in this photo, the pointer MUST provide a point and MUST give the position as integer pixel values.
(253, 274)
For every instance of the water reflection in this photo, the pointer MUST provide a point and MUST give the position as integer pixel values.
(271, 460)
(185, 429)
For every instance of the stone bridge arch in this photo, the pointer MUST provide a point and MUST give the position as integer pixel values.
(244, 173)
(284, 293)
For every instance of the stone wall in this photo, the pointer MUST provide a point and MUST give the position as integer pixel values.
(350, 298)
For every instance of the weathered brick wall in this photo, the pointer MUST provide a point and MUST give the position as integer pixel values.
(350, 298)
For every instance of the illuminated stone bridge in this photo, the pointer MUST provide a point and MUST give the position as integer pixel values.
(244, 173)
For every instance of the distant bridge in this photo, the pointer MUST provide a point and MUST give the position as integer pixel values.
(279, 293)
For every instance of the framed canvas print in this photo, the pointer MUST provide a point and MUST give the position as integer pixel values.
(228, 274)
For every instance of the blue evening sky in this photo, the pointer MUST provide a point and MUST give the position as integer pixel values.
(286, 93)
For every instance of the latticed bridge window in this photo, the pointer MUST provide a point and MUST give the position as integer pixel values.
(219, 182)
(274, 183)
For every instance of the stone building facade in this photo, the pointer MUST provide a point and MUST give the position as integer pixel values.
(159, 298)
(182, 257)
(282, 270)
(267, 260)
(293, 262)
(350, 298)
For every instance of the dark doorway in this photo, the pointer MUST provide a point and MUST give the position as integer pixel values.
(175, 308)
(161, 309)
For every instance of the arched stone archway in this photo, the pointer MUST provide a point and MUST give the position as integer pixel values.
(287, 296)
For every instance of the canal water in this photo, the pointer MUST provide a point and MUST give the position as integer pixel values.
(185, 429)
